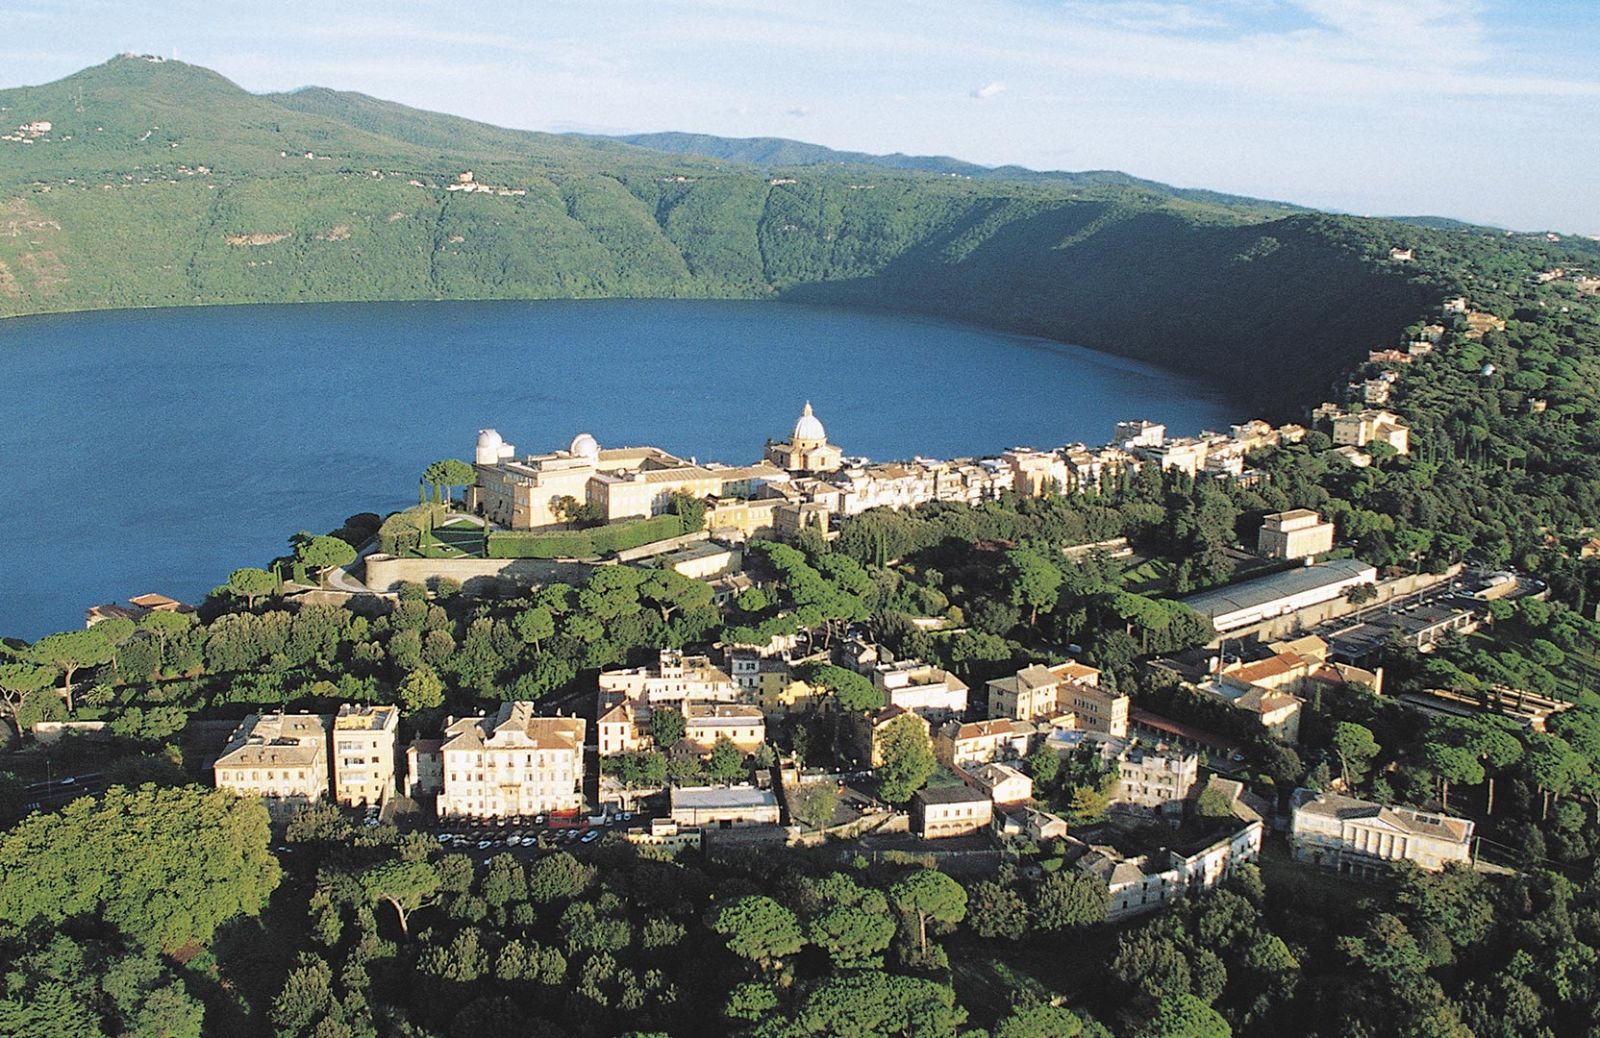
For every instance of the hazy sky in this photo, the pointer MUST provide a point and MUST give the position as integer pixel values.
(1486, 110)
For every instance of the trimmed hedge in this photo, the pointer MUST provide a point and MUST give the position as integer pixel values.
(401, 533)
(582, 544)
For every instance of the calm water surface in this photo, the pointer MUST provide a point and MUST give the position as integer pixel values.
(155, 450)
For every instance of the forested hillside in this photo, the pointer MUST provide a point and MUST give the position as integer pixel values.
(163, 184)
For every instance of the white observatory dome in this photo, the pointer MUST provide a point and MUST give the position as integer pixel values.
(489, 447)
(808, 427)
(584, 446)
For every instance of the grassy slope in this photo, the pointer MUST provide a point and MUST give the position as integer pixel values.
(1277, 305)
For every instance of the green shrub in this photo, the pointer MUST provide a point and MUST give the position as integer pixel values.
(401, 533)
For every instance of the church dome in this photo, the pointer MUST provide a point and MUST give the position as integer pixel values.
(584, 446)
(808, 427)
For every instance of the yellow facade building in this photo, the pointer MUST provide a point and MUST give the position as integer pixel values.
(364, 739)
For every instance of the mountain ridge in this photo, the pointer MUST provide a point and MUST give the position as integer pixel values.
(163, 184)
(781, 152)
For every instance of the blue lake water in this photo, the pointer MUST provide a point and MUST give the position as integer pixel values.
(155, 450)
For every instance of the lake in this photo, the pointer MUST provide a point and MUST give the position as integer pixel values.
(155, 450)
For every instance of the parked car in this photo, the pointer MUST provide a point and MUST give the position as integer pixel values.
(589, 836)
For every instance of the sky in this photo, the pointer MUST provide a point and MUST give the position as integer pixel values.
(1484, 110)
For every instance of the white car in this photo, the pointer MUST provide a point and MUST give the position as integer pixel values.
(483, 844)
(589, 837)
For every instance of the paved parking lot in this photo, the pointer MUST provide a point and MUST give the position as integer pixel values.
(527, 840)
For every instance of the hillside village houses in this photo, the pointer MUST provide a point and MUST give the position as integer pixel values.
(1364, 427)
(673, 678)
(713, 706)
(518, 764)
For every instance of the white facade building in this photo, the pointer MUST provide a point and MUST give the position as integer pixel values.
(515, 764)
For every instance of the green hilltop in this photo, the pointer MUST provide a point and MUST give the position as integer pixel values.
(164, 184)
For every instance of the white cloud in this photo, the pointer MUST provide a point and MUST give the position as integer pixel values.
(988, 90)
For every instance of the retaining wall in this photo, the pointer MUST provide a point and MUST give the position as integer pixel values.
(385, 573)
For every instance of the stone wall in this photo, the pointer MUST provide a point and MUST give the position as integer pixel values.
(385, 573)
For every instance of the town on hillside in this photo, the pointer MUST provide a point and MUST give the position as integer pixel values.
(698, 747)
(589, 714)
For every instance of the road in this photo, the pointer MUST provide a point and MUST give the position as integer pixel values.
(43, 795)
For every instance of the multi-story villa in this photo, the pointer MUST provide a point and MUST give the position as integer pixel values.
(865, 732)
(950, 811)
(622, 728)
(1149, 881)
(1363, 838)
(1151, 778)
(922, 688)
(620, 483)
(1037, 691)
(1001, 783)
(675, 678)
(1364, 427)
(743, 725)
(281, 758)
(1295, 534)
(958, 745)
(364, 740)
(514, 764)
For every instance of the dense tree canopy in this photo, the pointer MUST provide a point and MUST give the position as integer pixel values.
(164, 866)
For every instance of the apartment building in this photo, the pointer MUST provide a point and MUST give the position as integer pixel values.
(364, 739)
(281, 758)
